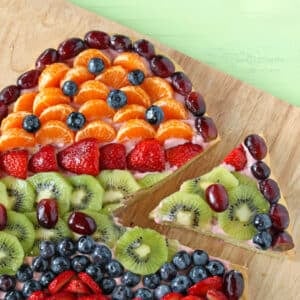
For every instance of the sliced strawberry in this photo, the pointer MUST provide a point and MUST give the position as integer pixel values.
(191, 297)
(44, 160)
(38, 295)
(63, 296)
(237, 158)
(81, 158)
(215, 295)
(209, 283)
(60, 281)
(179, 155)
(77, 286)
(15, 163)
(92, 297)
(113, 156)
(147, 156)
(90, 282)
(172, 296)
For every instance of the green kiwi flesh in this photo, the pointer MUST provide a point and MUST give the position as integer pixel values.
(173, 248)
(243, 179)
(152, 178)
(4, 197)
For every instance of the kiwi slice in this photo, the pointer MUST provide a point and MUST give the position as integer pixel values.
(110, 207)
(243, 179)
(142, 251)
(11, 253)
(191, 186)
(87, 192)
(20, 193)
(185, 209)
(173, 247)
(244, 203)
(152, 178)
(117, 185)
(59, 231)
(4, 197)
(52, 185)
(20, 226)
(221, 175)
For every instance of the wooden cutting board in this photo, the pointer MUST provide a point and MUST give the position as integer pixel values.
(30, 26)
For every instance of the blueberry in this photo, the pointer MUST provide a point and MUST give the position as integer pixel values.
(215, 268)
(30, 286)
(144, 294)
(14, 295)
(151, 281)
(31, 123)
(167, 271)
(7, 283)
(182, 260)
(154, 115)
(95, 65)
(46, 278)
(66, 247)
(161, 290)
(60, 264)
(107, 285)
(121, 292)
(39, 264)
(85, 244)
(79, 263)
(180, 284)
(75, 120)
(198, 273)
(130, 279)
(47, 249)
(116, 99)
(262, 222)
(70, 88)
(24, 273)
(200, 258)
(263, 240)
(95, 272)
(136, 77)
(101, 255)
(114, 268)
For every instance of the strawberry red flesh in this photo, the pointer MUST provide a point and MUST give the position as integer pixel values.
(237, 158)
(38, 295)
(172, 296)
(76, 286)
(215, 295)
(203, 286)
(44, 160)
(113, 156)
(90, 282)
(60, 281)
(63, 296)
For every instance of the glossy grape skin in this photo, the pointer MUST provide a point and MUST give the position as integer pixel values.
(217, 197)
(279, 216)
(47, 57)
(70, 48)
(97, 39)
(82, 223)
(120, 43)
(194, 102)
(47, 213)
(260, 170)
(29, 79)
(162, 66)
(270, 190)
(256, 146)
(3, 217)
(233, 285)
(207, 128)
(181, 83)
(9, 94)
(144, 48)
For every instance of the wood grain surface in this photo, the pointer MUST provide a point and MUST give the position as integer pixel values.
(30, 26)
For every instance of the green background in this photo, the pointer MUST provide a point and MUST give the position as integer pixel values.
(257, 41)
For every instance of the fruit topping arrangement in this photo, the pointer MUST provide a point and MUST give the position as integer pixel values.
(141, 265)
(237, 201)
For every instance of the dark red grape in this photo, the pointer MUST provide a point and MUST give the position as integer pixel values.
(3, 217)
(233, 285)
(48, 57)
(217, 197)
(181, 83)
(162, 66)
(47, 213)
(97, 39)
(207, 128)
(194, 102)
(82, 223)
(282, 241)
(144, 48)
(120, 43)
(70, 48)
(9, 94)
(270, 189)
(3, 111)
(279, 216)
(260, 170)
(28, 79)
(256, 146)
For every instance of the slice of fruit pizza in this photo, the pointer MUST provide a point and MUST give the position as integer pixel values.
(102, 106)
(238, 201)
(142, 264)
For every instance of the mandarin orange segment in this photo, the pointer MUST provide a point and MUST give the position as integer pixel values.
(128, 112)
(131, 61)
(48, 97)
(54, 132)
(172, 108)
(83, 58)
(57, 112)
(52, 75)
(96, 109)
(136, 95)
(134, 129)
(174, 129)
(78, 75)
(90, 90)
(99, 130)
(114, 77)
(16, 138)
(157, 88)
(13, 120)
(25, 102)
